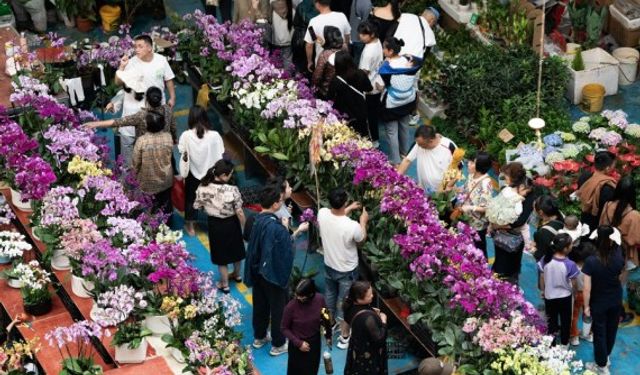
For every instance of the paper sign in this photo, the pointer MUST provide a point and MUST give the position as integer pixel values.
(505, 135)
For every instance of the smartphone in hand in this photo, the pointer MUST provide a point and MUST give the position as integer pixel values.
(312, 32)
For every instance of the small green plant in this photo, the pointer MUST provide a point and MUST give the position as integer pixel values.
(578, 62)
(130, 333)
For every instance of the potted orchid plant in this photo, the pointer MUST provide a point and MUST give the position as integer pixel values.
(130, 342)
(12, 245)
(6, 213)
(75, 347)
(16, 357)
(81, 234)
(36, 295)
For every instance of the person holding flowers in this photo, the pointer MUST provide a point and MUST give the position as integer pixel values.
(508, 213)
(223, 204)
(475, 196)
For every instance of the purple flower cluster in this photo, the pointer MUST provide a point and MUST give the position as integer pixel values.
(117, 304)
(433, 250)
(130, 229)
(79, 332)
(33, 177)
(58, 207)
(111, 193)
(108, 53)
(165, 259)
(102, 261)
(300, 113)
(64, 143)
(308, 216)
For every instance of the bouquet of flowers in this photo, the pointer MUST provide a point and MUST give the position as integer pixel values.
(14, 355)
(505, 207)
(12, 245)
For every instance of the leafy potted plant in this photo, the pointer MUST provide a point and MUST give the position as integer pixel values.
(35, 288)
(86, 15)
(12, 245)
(131, 345)
(75, 347)
(67, 10)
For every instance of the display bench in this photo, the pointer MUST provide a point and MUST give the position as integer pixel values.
(255, 163)
(67, 308)
(259, 164)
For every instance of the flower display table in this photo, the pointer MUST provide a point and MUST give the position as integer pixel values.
(67, 308)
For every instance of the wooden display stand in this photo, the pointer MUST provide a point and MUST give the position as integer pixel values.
(535, 17)
(67, 309)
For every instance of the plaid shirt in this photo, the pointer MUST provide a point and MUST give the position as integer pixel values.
(138, 120)
(152, 155)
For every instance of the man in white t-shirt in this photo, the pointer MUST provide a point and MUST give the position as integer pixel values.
(340, 237)
(434, 154)
(416, 32)
(327, 17)
(153, 70)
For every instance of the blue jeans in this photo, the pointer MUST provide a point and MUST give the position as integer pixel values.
(337, 286)
(397, 136)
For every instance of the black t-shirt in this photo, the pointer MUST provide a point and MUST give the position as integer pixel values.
(606, 289)
(543, 237)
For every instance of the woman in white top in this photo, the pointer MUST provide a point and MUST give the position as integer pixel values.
(204, 147)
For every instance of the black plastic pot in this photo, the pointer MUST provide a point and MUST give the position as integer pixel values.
(38, 309)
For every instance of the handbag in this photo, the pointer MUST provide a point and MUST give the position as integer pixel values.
(177, 194)
(507, 241)
(184, 165)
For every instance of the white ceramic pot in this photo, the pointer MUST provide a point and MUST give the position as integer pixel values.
(95, 312)
(16, 199)
(81, 287)
(14, 283)
(177, 355)
(60, 261)
(126, 355)
(158, 324)
(34, 235)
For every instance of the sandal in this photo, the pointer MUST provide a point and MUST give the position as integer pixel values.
(236, 278)
(223, 289)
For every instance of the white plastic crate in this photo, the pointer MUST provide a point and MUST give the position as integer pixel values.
(626, 22)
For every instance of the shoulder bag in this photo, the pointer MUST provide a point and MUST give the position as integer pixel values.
(508, 241)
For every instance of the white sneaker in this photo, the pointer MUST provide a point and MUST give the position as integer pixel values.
(574, 341)
(630, 265)
(415, 119)
(588, 338)
(593, 367)
(259, 343)
(278, 350)
(343, 342)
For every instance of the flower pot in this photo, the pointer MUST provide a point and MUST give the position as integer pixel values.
(84, 24)
(81, 287)
(158, 324)
(126, 355)
(14, 283)
(177, 355)
(16, 199)
(34, 235)
(5, 260)
(110, 15)
(42, 308)
(68, 21)
(95, 312)
(60, 261)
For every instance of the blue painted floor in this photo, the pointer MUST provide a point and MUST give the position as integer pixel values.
(625, 358)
